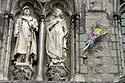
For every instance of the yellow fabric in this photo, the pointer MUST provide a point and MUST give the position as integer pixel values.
(86, 47)
(105, 32)
(85, 55)
(98, 31)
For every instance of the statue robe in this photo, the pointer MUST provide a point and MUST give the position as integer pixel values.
(56, 39)
(25, 35)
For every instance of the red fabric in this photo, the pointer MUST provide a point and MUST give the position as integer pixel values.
(94, 37)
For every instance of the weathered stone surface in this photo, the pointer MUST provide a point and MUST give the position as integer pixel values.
(89, 31)
(114, 45)
(57, 72)
(81, 52)
(109, 8)
(90, 23)
(99, 68)
(22, 71)
(82, 45)
(107, 77)
(113, 38)
(21, 81)
(113, 53)
(92, 78)
(77, 37)
(1, 76)
(98, 61)
(105, 22)
(107, 60)
(113, 69)
(81, 61)
(91, 67)
(110, 30)
(83, 37)
(115, 62)
(79, 77)
(101, 64)
(105, 69)
(83, 69)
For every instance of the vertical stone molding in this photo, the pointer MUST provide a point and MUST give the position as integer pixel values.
(73, 45)
(41, 48)
(9, 28)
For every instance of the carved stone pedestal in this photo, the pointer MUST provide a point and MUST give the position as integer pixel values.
(57, 72)
(22, 71)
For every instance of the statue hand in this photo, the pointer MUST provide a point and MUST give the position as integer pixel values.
(34, 29)
(57, 22)
(15, 35)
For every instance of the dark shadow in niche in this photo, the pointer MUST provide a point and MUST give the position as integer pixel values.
(1, 26)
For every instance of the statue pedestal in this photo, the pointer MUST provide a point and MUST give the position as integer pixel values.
(57, 72)
(23, 71)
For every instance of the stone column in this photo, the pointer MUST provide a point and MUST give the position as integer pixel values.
(41, 48)
(120, 57)
(75, 29)
(115, 29)
(120, 45)
(76, 35)
(73, 52)
(78, 76)
(1, 46)
(5, 28)
(8, 26)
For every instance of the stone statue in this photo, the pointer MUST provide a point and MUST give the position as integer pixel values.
(25, 27)
(56, 38)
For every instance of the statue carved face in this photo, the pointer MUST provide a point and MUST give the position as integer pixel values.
(26, 10)
(57, 12)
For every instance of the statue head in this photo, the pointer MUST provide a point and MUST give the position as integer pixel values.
(26, 10)
(57, 12)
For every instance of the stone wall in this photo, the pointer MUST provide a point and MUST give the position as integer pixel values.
(2, 36)
(105, 61)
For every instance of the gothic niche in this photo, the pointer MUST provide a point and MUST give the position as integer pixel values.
(24, 46)
(57, 33)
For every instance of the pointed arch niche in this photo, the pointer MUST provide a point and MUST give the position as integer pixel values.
(16, 10)
(43, 10)
(121, 26)
(62, 73)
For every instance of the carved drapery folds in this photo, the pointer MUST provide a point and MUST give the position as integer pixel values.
(25, 51)
(56, 48)
(37, 42)
(25, 48)
(25, 37)
(57, 43)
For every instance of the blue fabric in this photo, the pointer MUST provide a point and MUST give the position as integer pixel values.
(91, 42)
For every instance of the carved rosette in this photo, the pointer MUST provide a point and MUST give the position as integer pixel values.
(22, 71)
(57, 72)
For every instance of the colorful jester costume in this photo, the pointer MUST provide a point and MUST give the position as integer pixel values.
(95, 36)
